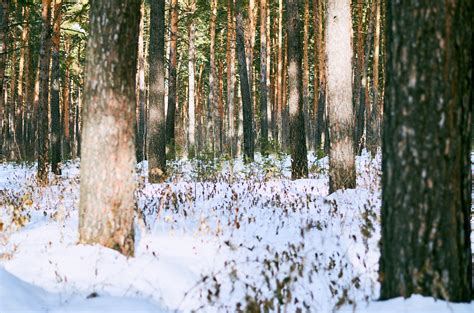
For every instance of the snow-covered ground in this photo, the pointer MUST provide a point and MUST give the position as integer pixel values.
(216, 237)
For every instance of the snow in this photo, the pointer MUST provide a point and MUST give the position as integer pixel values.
(213, 238)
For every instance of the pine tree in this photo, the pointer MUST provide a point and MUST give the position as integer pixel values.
(108, 152)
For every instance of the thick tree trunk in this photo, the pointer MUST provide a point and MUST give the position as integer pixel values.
(244, 86)
(263, 78)
(108, 153)
(342, 173)
(426, 181)
(172, 79)
(55, 109)
(43, 125)
(299, 161)
(156, 118)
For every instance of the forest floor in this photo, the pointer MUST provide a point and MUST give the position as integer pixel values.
(217, 236)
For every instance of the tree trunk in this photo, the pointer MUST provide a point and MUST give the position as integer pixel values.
(108, 153)
(43, 125)
(426, 181)
(66, 145)
(156, 117)
(172, 79)
(23, 72)
(141, 96)
(305, 93)
(263, 78)
(244, 86)
(231, 76)
(212, 104)
(279, 87)
(342, 172)
(55, 109)
(299, 161)
(359, 105)
(321, 121)
(373, 140)
(4, 9)
(191, 83)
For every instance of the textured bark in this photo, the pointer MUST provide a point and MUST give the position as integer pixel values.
(231, 76)
(299, 161)
(141, 94)
(108, 153)
(191, 84)
(172, 78)
(426, 181)
(342, 172)
(43, 125)
(55, 76)
(156, 119)
(263, 78)
(247, 114)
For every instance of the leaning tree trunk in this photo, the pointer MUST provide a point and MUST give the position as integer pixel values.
(43, 125)
(108, 151)
(156, 118)
(56, 74)
(426, 181)
(244, 86)
(299, 161)
(342, 172)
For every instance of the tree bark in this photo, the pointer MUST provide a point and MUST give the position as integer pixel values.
(156, 118)
(108, 153)
(299, 161)
(263, 78)
(56, 75)
(231, 76)
(212, 113)
(426, 180)
(244, 86)
(191, 83)
(359, 105)
(305, 93)
(43, 125)
(172, 79)
(342, 174)
(141, 95)
(66, 133)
